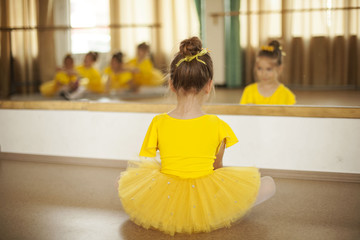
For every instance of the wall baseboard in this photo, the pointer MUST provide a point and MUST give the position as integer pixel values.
(311, 175)
(98, 162)
(93, 162)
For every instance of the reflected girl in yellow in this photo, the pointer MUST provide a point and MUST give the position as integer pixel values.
(144, 73)
(88, 71)
(268, 89)
(118, 78)
(66, 79)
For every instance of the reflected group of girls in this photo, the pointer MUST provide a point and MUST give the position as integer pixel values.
(73, 82)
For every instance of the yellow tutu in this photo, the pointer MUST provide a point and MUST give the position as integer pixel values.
(48, 89)
(186, 205)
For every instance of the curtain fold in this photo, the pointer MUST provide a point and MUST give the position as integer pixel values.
(27, 53)
(5, 57)
(46, 41)
(171, 21)
(233, 69)
(24, 48)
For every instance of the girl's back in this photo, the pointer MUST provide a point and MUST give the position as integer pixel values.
(187, 147)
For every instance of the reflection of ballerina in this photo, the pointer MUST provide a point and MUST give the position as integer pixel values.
(65, 80)
(90, 78)
(142, 67)
(118, 78)
(189, 191)
(87, 70)
(268, 89)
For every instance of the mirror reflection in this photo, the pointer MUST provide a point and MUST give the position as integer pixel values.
(114, 51)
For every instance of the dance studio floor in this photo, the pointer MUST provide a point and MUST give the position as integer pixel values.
(321, 97)
(41, 201)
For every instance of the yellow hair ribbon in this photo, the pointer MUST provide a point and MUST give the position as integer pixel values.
(267, 48)
(271, 49)
(190, 58)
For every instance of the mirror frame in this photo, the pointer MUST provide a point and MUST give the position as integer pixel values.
(221, 109)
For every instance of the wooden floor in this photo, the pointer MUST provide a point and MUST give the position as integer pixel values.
(341, 97)
(40, 201)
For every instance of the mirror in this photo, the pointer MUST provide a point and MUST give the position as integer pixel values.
(338, 62)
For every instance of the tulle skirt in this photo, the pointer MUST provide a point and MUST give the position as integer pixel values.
(177, 205)
(49, 89)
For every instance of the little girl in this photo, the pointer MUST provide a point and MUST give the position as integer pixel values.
(118, 78)
(90, 78)
(268, 89)
(189, 191)
(66, 79)
(144, 73)
(88, 71)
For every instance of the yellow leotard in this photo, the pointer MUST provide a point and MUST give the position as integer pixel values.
(50, 88)
(180, 154)
(184, 193)
(94, 84)
(282, 96)
(147, 75)
(118, 80)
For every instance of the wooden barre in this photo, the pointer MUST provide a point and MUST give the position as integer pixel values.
(237, 13)
(229, 109)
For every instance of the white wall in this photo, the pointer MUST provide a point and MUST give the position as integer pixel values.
(316, 144)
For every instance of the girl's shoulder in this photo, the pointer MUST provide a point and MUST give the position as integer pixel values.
(161, 116)
(61, 73)
(158, 118)
(79, 67)
(61, 77)
(132, 61)
(82, 67)
(214, 117)
(107, 70)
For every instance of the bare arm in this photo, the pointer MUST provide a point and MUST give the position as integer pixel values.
(219, 156)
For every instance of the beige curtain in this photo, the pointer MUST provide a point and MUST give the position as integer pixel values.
(161, 23)
(30, 44)
(322, 46)
(4, 51)
(25, 46)
(46, 40)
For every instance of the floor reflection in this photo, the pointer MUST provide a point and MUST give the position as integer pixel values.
(222, 96)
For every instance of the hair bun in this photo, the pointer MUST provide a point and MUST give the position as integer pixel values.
(190, 46)
(275, 44)
(273, 50)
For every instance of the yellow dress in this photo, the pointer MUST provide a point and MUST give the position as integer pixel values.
(118, 80)
(282, 96)
(183, 193)
(94, 83)
(50, 88)
(148, 75)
